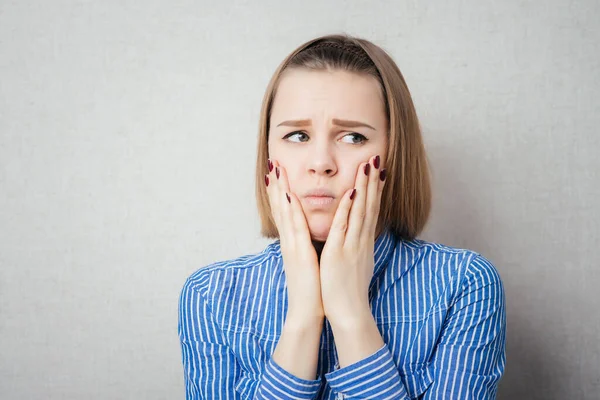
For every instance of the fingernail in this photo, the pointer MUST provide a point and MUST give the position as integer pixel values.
(382, 174)
(270, 165)
(367, 168)
(376, 162)
(267, 180)
(277, 172)
(288, 197)
(352, 194)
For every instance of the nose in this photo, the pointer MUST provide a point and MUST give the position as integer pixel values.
(321, 159)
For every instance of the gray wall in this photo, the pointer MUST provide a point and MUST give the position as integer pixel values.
(127, 137)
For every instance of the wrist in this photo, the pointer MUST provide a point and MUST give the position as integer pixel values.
(303, 322)
(356, 338)
(298, 346)
(349, 320)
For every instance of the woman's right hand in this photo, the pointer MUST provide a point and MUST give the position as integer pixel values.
(300, 261)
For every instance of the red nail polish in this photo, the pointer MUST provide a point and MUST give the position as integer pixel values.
(382, 174)
(352, 194)
(267, 180)
(367, 169)
(270, 165)
(277, 172)
(288, 198)
(376, 162)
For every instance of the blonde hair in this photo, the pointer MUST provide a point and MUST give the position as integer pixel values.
(406, 198)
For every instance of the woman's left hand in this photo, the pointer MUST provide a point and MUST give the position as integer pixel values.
(347, 259)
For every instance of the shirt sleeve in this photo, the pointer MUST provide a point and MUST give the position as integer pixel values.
(469, 359)
(375, 377)
(211, 370)
(277, 383)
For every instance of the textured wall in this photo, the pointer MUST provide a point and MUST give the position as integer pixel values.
(127, 137)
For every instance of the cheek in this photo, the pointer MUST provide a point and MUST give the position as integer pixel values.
(349, 174)
(294, 176)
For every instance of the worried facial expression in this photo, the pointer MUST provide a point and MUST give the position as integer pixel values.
(323, 125)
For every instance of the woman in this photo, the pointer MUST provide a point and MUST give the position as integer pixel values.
(347, 303)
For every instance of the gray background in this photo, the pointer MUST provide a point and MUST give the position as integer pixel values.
(127, 140)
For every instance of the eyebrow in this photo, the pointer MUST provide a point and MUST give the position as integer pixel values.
(338, 122)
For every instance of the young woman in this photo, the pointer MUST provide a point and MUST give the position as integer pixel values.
(347, 302)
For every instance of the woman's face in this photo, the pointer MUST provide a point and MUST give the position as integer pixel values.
(323, 125)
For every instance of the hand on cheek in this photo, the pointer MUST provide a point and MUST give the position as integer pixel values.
(347, 260)
(300, 260)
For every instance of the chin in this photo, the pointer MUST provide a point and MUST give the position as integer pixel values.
(319, 227)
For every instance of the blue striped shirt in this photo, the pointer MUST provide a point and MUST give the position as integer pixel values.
(440, 311)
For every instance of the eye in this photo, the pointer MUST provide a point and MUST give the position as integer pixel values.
(296, 133)
(362, 138)
(356, 138)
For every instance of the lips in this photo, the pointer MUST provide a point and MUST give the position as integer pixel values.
(320, 198)
(322, 192)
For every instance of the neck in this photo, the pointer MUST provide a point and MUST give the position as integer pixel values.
(318, 248)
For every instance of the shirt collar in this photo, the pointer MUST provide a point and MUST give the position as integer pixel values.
(385, 244)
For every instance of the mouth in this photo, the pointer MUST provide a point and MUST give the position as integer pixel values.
(320, 192)
(319, 198)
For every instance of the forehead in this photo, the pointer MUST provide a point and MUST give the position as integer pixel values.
(335, 94)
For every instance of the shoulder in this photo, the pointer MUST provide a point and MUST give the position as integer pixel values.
(221, 274)
(222, 291)
(464, 265)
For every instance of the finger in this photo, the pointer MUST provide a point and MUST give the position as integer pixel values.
(280, 193)
(298, 221)
(373, 202)
(272, 192)
(358, 210)
(339, 225)
(292, 213)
